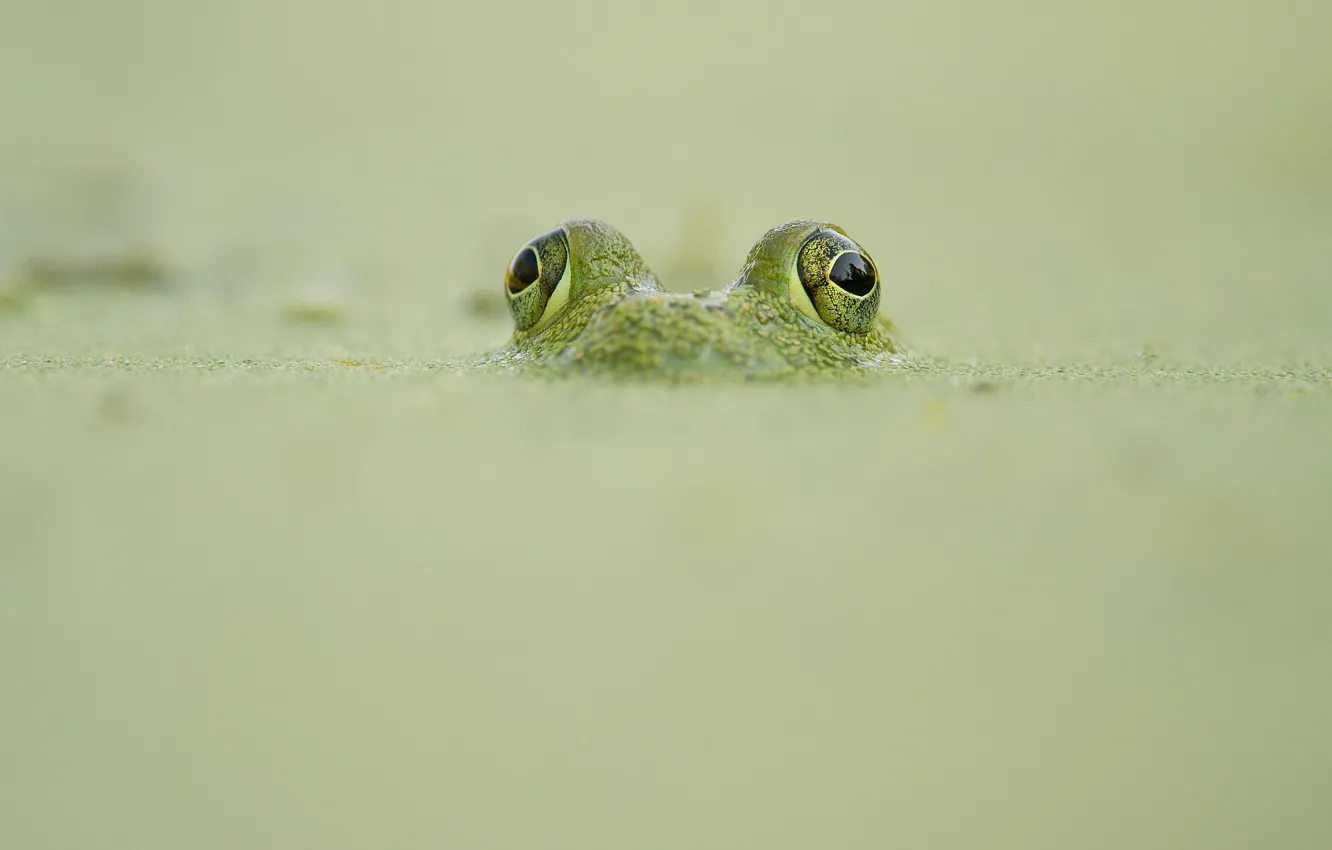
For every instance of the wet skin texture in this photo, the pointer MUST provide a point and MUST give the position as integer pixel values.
(804, 306)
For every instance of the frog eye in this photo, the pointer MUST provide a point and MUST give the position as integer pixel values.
(537, 280)
(839, 281)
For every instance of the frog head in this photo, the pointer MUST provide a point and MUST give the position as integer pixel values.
(805, 304)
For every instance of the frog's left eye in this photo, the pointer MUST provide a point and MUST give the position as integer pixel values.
(537, 280)
(839, 281)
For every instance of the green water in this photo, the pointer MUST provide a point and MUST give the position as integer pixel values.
(271, 577)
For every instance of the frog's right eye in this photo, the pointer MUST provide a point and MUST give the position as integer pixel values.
(839, 281)
(537, 280)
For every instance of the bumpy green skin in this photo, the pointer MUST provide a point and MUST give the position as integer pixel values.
(619, 323)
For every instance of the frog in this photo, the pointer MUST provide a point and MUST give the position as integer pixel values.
(804, 306)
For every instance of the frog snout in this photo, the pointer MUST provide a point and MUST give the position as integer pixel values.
(663, 332)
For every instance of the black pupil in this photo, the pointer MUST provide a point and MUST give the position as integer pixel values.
(524, 271)
(854, 273)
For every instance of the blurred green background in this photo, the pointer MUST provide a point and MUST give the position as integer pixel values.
(253, 596)
(1068, 176)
